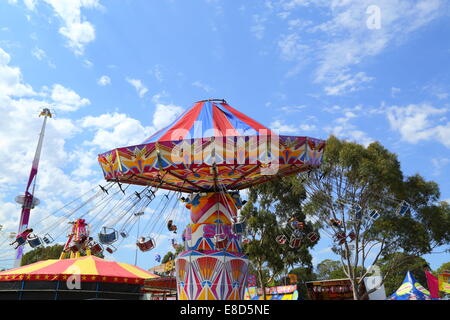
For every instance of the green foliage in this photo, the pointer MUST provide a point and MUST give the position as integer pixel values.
(167, 257)
(404, 263)
(329, 269)
(445, 267)
(371, 178)
(269, 208)
(171, 256)
(304, 274)
(43, 253)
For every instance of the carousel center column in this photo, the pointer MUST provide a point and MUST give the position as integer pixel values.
(213, 266)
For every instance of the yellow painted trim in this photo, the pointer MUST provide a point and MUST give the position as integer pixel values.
(30, 268)
(118, 160)
(139, 273)
(85, 265)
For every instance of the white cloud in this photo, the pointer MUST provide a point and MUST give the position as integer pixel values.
(347, 83)
(38, 53)
(115, 130)
(282, 128)
(30, 4)
(258, 28)
(344, 129)
(104, 81)
(139, 86)
(67, 99)
(19, 129)
(165, 114)
(202, 86)
(11, 83)
(292, 109)
(439, 164)
(419, 122)
(343, 41)
(78, 32)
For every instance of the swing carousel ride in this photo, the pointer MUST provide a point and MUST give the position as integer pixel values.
(211, 151)
(200, 162)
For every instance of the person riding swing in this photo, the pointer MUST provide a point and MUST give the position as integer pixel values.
(171, 226)
(22, 238)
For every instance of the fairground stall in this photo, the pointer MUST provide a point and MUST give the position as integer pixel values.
(288, 292)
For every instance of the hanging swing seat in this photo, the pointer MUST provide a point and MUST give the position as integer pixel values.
(21, 241)
(47, 239)
(111, 249)
(34, 241)
(295, 242)
(352, 235)
(147, 245)
(220, 241)
(175, 244)
(96, 248)
(374, 215)
(298, 234)
(108, 236)
(75, 247)
(124, 234)
(403, 208)
(313, 237)
(238, 228)
(281, 239)
(336, 223)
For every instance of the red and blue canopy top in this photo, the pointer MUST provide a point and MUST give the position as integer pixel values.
(209, 118)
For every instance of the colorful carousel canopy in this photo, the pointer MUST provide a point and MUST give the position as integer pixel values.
(210, 147)
(410, 290)
(90, 269)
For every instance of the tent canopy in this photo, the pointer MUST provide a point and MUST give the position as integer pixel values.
(90, 269)
(410, 290)
(211, 147)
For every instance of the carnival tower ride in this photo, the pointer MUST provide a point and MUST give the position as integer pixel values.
(212, 151)
(28, 200)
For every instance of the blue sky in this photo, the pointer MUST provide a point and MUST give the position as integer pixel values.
(116, 71)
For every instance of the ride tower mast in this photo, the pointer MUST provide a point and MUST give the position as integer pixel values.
(29, 201)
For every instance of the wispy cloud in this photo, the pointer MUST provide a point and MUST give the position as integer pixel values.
(141, 89)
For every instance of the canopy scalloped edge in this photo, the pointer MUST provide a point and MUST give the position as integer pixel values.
(211, 164)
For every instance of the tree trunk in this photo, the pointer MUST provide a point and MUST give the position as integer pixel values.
(263, 287)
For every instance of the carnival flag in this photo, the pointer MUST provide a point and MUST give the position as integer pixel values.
(433, 285)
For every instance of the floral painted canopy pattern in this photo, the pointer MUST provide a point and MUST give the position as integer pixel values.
(209, 147)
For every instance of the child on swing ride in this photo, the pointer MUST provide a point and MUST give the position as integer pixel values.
(22, 238)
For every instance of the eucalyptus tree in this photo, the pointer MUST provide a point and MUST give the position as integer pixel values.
(361, 199)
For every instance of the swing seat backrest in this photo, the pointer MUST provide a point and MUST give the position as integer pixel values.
(34, 242)
(47, 239)
(111, 249)
(281, 239)
(404, 207)
(340, 236)
(21, 241)
(220, 241)
(295, 242)
(313, 237)
(239, 228)
(147, 245)
(108, 237)
(96, 248)
(374, 215)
